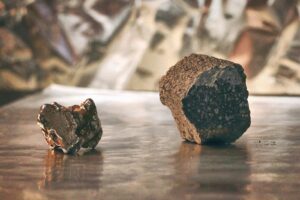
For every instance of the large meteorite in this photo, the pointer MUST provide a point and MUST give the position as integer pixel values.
(70, 128)
(208, 99)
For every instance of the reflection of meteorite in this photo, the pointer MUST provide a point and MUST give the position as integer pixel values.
(208, 99)
(70, 128)
(72, 172)
(203, 171)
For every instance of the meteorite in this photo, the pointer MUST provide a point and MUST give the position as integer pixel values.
(208, 99)
(70, 128)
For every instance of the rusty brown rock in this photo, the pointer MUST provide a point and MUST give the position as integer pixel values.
(70, 128)
(208, 99)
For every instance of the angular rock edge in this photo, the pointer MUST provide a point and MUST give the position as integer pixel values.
(70, 128)
(177, 83)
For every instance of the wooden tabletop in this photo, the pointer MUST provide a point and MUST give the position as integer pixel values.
(141, 155)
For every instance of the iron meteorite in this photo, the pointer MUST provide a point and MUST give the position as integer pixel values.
(70, 128)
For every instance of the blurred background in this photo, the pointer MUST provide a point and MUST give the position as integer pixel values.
(130, 44)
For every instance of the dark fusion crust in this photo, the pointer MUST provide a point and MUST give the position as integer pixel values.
(179, 84)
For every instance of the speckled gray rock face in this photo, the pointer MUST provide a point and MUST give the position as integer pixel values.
(217, 104)
(70, 128)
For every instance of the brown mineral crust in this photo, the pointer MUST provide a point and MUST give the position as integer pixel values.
(70, 128)
(175, 85)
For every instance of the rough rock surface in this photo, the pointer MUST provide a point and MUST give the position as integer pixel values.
(208, 99)
(70, 128)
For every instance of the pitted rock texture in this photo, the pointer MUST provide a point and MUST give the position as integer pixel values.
(208, 99)
(70, 128)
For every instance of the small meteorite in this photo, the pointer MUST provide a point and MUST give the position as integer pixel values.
(70, 128)
(208, 99)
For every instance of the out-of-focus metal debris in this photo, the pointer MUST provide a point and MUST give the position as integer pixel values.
(169, 13)
(65, 39)
(105, 44)
(260, 35)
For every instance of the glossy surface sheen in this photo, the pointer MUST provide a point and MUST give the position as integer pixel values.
(141, 155)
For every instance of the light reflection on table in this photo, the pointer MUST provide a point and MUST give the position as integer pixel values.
(141, 155)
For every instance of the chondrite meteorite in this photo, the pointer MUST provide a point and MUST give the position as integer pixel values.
(70, 128)
(208, 99)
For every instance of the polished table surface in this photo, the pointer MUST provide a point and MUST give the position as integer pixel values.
(141, 155)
